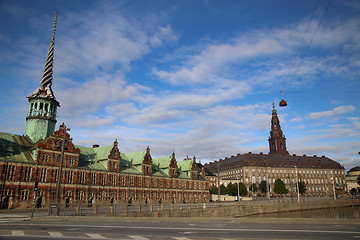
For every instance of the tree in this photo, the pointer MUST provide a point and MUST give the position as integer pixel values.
(358, 179)
(232, 189)
(302, 188)
(222, 189)
(213, 190)
(242, 189)
(253, 188)
(263, 187)
(279, 187)
(353, 191)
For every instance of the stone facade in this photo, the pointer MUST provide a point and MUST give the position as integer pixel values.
(351, 178)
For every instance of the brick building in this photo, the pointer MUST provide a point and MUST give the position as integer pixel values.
(321, 175)
(30, 164)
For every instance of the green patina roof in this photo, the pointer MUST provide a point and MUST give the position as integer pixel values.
(100, 165)
(183, 175)
(160, 173)
(135, 158)
(185, 165)
(87, 155)
(103, 152)
(15, 148)
(163, 162)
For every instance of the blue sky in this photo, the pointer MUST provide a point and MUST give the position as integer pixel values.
(194, 77)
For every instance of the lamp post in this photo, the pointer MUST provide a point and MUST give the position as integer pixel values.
(297, 184)
(238, 187)
(333, 184)
(58, 178)
(267, 185)
(218, 180)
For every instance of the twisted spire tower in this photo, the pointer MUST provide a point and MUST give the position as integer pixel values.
(41, 119)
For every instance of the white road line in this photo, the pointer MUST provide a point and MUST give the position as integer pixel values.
(181, 238)
(136, 237)
(18, 233)
(56, 234)
(95, 235)
(208, 229)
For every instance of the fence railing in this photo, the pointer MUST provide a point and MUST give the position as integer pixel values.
(263, 208)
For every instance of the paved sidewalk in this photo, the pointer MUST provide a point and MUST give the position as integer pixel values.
(203, 220)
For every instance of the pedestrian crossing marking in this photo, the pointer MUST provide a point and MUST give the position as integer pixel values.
(138, 237)
(18, 233)
(56, 234)
(95, 235)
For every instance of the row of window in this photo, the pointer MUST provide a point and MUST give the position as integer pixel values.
(103, 195)
(71, 176)
(292, 171)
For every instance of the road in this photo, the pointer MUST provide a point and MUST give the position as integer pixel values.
(176, 228)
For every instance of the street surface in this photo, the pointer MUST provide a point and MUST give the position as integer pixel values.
(17, 227)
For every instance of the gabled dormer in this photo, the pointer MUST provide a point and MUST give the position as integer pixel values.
(114, 158)
(147, 163)
(49, 149)
(194, 171)
(173, 166)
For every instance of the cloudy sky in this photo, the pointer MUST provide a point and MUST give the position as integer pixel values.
(195, 77)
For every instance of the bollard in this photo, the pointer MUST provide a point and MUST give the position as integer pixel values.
(111, 210)
(139, 209)
(77, 211)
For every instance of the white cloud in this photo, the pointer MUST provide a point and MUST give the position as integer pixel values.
(89, 96)
(336, 112)
(163, 34)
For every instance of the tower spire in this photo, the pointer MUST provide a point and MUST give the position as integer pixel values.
(41, 118)
(277, 141)
(45, 91)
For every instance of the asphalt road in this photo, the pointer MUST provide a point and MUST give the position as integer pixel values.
(176, 229)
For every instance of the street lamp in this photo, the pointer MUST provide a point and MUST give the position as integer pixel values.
(267, 185)
(238, 187)
(218, 180)
(332, 181)
(297, 185)
(58, 178)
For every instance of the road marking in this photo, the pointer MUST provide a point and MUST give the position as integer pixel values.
(205, 229)
(181, 238)
(18, 233)
(95, 235)
(138, 237)
(56, 234)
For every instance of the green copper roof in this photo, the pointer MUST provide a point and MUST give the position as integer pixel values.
(15, 148)
(185, 165)
(163, 162)
(184, 175)
(103, 152)
(135, 158)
